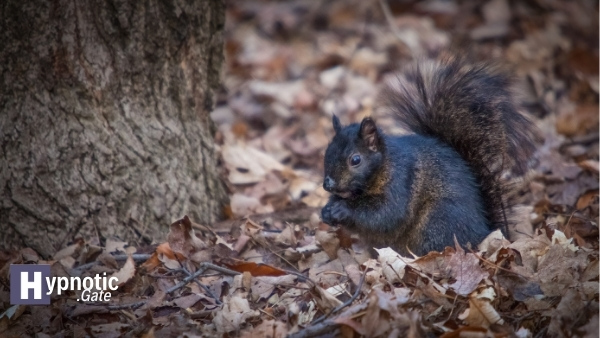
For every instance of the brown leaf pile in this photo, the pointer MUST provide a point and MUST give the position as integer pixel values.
(289, 66)
(197, 284)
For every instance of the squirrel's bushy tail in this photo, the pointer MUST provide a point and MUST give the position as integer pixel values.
(470, 107)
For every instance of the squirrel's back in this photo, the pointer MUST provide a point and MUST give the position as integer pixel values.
(442, 197)
(468, 106)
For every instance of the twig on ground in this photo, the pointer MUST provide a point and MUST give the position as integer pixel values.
(290, 215)
(327, 326)
(135, 257)
(119, 306)
(169, 273)
(499, 267)
(346, 303)
(281, 257)
(127, 306)
(300, 276)
(209, 292)
(322, 324)
(203, 267)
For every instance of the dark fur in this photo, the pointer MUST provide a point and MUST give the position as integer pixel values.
(417, 192)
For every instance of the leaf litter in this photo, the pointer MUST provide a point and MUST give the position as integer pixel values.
(275, 270)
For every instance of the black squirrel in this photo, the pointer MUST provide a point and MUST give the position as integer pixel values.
(414, 193)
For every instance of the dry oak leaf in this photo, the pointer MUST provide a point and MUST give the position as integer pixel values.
(572, 306)
(114, 329)
(558, 237)
(464, 267)
(287, 237)
(559, 268)
(328, 241)
(182, 238)
(590, 165)
(242, 205)
(163, 254)
(188, 301)
(236, 310)
(251, 228)
(255, 269)
(434, 292)
(268, 328)
(248, 165)
(263, 286)
(301, 311)
(322, 270)
(383, 317)
(392, 264)
(325, 300)
(481, 313)
(374, 322)
(69, 251)
(126, 272)
(13, 312)
(254, 230)
(433, 263)
(492, 244)
(171, 260)
(591, 329)
(350, 266)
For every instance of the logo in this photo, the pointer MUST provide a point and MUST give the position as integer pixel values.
(28, 284)
(31, 284)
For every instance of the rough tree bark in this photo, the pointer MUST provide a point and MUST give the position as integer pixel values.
(104, 127)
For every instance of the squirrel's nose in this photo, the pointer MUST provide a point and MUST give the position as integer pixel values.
(328, 183)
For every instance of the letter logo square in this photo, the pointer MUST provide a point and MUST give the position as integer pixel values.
(28, 284)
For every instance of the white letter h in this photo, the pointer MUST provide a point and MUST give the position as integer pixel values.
(36, 285)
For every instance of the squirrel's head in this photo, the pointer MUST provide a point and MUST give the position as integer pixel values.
(353, 158)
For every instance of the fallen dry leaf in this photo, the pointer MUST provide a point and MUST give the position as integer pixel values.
(182, 238)
(464, 267)
(235, 311)
(255, 269)
(481, 313)
(263, 286)
(126, 272)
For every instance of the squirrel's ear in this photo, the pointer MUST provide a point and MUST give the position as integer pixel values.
(369, 133)
(337, 126)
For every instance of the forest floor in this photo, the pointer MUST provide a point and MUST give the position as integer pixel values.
(280, 271)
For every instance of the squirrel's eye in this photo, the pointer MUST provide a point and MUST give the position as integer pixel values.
(355, 160)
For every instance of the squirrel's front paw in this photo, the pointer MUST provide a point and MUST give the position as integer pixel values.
(335, 212)
(339, 212)
(326, 214)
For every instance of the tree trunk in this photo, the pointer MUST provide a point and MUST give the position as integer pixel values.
(104, 126)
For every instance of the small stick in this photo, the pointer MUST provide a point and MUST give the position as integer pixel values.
(346, 303)
(499, 267)
(136, 257)
(282, 258)
(210, 293)
(119, 306)
(288, 215)
(203, 267)
(317, 330)
(132, 306)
